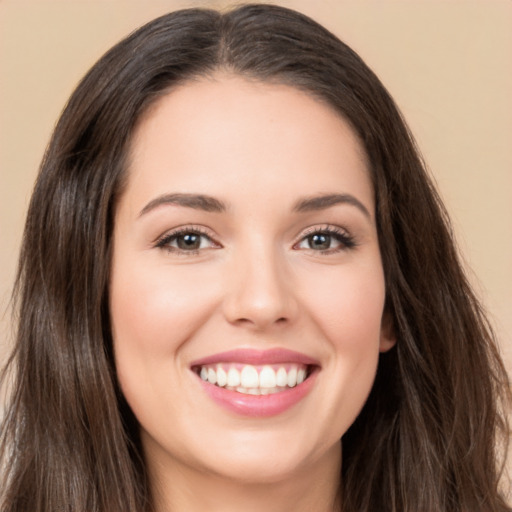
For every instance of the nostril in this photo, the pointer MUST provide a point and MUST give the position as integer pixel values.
(259, 322)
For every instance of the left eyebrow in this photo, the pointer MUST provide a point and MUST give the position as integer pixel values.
(322, 202)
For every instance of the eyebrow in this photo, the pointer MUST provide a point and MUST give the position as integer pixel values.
(195, 201)
(211, 204)
(322, 202)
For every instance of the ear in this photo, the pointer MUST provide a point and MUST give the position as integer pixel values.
(387, 333)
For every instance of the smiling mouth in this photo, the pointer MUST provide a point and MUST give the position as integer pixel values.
(257, 383)
(250, 379)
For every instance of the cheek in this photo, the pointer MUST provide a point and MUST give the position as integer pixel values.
(352, 327)
(154, 310)
(347, 307)
(348, 304)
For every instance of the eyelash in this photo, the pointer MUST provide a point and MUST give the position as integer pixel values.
(345, 240)
(165, 241)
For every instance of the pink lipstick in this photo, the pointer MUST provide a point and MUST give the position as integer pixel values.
(257, 357)
(256, 383)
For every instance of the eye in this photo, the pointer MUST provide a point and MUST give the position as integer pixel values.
(326, 240)
(185, 241)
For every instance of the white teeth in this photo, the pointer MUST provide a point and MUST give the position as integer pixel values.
(212, 376)
(233, 377)
(254, 380)
(292, 377)
(267, 377)
(222, 378)
(256, 391)
(249, 377)
(281, 377)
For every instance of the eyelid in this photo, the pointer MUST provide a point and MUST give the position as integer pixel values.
(317, 228)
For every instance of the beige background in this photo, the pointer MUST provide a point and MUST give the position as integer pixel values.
(448, 64)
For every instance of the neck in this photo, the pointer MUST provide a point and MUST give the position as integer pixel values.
(184, 489)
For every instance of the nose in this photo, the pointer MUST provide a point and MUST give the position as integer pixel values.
(260, 293)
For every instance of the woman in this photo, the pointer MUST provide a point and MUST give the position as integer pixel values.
(233, 259)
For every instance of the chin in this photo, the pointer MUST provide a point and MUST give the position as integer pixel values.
(263, 469)
(267, 457)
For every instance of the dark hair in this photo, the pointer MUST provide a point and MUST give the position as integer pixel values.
(427, 438)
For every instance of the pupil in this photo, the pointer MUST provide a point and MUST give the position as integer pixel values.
(320, 241)
(190, 241)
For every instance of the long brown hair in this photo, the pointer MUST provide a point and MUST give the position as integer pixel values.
(428, 436)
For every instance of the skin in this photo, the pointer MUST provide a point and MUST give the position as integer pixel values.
(256, 281)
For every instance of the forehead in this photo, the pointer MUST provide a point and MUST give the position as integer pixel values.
(209, 134)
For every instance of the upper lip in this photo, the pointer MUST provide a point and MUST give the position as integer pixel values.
(257, 357)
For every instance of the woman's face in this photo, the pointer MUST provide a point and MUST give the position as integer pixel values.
(247, 289)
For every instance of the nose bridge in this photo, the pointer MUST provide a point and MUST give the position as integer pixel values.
(259, 294)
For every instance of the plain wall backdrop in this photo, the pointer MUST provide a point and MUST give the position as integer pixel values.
(448, 64)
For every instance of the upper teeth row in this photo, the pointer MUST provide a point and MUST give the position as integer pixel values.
(254, 377)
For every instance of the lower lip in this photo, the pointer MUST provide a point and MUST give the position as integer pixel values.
(259, 406)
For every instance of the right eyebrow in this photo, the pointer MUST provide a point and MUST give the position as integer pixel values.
(195, 201)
